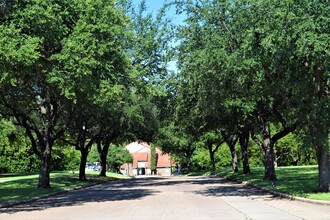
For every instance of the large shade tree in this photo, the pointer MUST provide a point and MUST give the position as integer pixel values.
(50, 51)
(256, 51)
(286, 50)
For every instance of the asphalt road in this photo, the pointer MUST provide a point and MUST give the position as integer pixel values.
(166, 198)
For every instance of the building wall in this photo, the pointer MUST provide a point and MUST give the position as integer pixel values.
(141, 159)
(134, 171)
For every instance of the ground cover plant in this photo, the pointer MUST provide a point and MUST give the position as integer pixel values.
(17, 187)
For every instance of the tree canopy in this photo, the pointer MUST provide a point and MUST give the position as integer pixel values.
(84, 73)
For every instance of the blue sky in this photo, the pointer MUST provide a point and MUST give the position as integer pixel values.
(153, 6)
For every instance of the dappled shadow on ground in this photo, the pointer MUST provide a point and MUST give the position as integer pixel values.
(170, 181)
(99, 193)
(138, 188)
(234, 191)
(228, 188)
(212, 186)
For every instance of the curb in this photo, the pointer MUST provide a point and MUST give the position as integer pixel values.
(280, 194)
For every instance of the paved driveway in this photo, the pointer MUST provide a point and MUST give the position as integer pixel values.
(167, 198)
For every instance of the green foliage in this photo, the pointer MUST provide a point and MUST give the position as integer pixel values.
(117, 156)
(255, 155)
(224, 157)
(15, 151)
(291, 151)
(141, 118)
(179, 144)
(153, 158)
(65, 158)
(93, 155)
(201, 160)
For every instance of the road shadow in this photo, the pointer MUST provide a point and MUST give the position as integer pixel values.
(138, 188)
(227, 188)
(100, 193)
(215, 186)
(233, 191)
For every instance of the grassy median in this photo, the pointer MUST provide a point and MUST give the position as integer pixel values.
(294, 180)
(17, 187)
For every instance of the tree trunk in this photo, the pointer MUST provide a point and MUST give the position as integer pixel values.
(211, 153)
(103, 170)
(188, 154)
(83, 161)
(153, 160)
(44, 174)
(103, 156)
(269, 152)
(269, 165)
(231, 141)
(267, 148)
(234, 159)
(244, 142)
(323, 157)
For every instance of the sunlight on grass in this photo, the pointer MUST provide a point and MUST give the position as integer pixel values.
(298, 181)
(15, 188)
(319, 196)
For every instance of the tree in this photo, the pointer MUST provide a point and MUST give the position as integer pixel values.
(117, 156)
(207, 44)
(105, 64)
(63, 49)
(37, 105)
(290, 43)
(211, 141)
(149, 49)
(179, 144)
(83, 132)
(251, 48)
(153, 159)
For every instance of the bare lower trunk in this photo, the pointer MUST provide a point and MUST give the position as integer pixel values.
(212, 161)
(244, 142)
(269, 165)
(103, 170)
(269, 154)
(323, 167)
(267, 147)
(103, 152)
(44, 174)
(231, 141)
(83, 161)
(211, 153)
(234, 159)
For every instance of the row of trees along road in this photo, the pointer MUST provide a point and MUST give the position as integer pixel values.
(247, 66)
(80, 73)
(84, 73)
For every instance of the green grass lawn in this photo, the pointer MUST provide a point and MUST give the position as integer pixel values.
(298, 181)
(17, 187)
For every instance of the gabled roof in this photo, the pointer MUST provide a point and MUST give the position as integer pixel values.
(138, 146)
